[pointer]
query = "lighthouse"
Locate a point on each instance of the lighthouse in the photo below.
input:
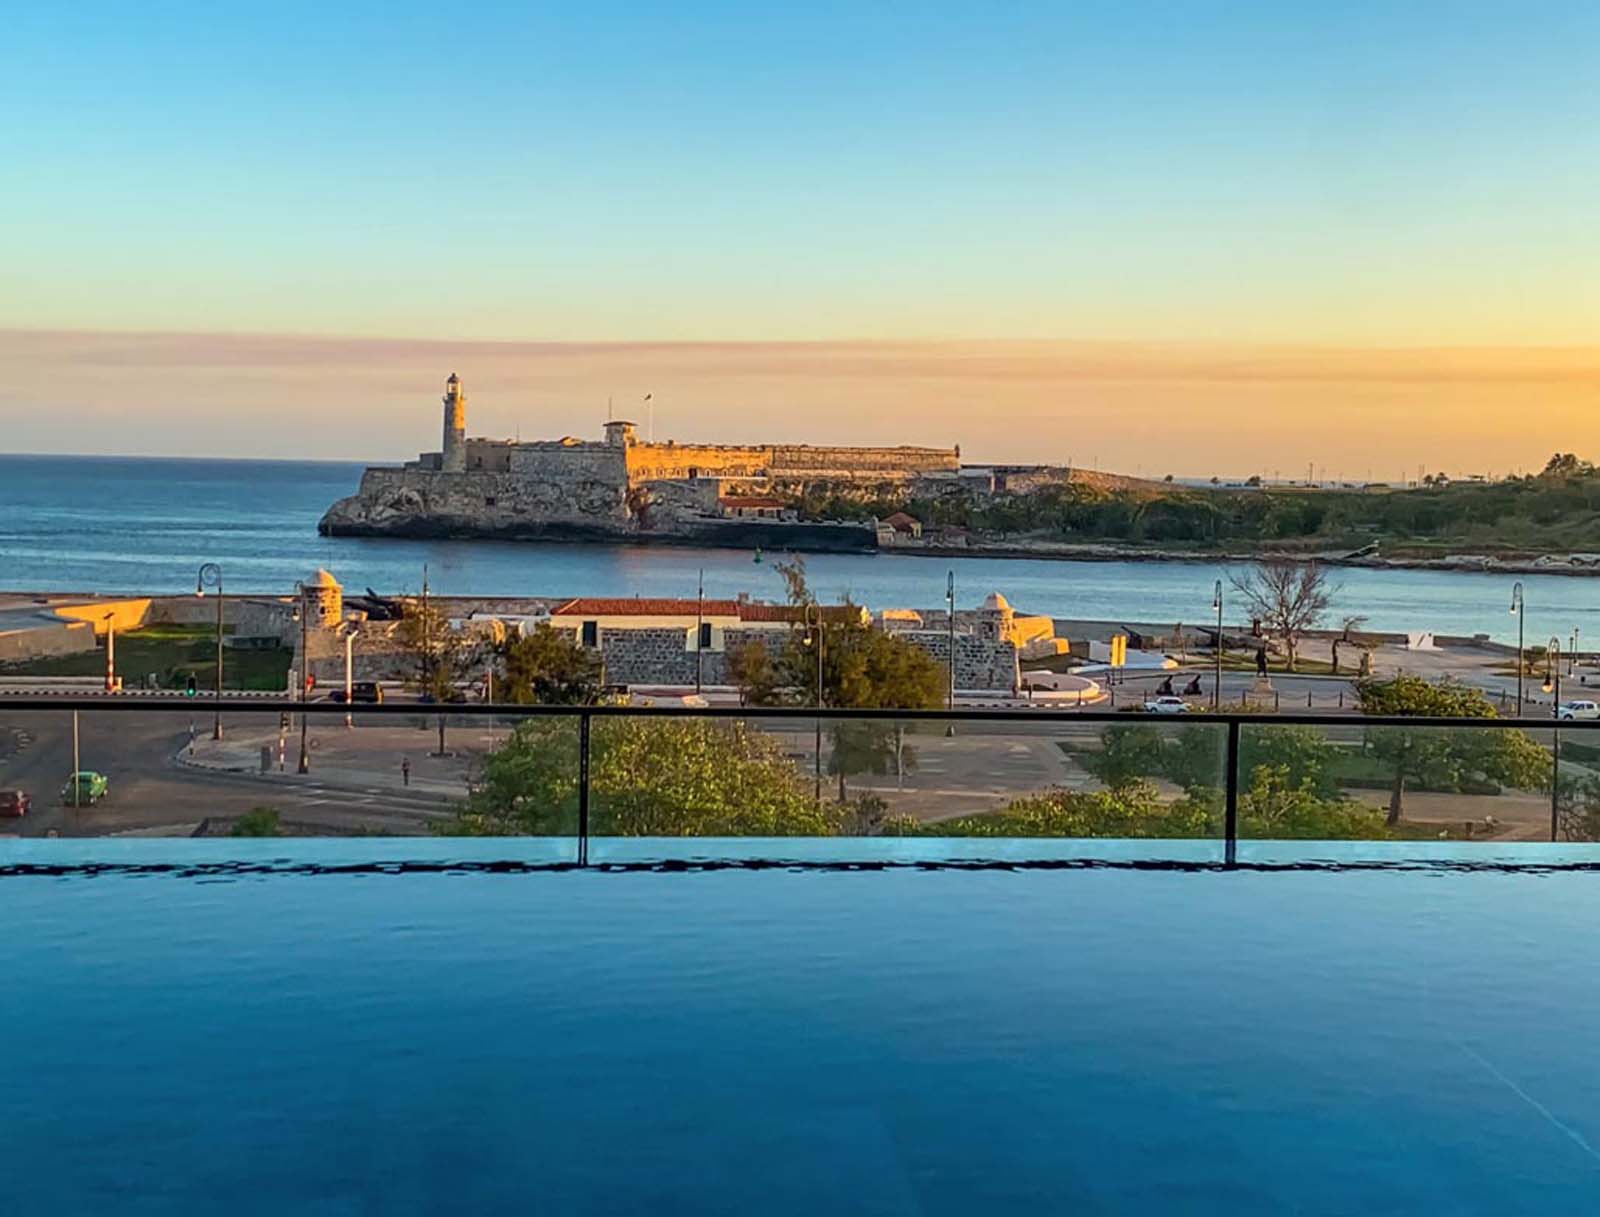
(454, 459)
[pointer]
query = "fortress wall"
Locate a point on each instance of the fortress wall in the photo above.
(492, 456)
(654, 462)
(791, 459)
(571, 463)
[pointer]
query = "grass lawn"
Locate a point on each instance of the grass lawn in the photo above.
(172, 653)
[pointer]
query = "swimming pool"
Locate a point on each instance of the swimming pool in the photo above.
(801, 1042)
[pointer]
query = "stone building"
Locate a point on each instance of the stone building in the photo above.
(617, 486)
(654, 641)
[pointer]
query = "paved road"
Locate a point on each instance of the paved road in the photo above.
(150, 791)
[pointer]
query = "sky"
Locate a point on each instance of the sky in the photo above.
(1347, 233)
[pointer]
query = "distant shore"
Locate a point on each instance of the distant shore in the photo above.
(1499, 564)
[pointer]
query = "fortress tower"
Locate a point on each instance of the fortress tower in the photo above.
(454, 459)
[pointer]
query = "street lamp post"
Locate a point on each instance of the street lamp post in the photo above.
(111, 652)
(814, 640)
(349, 674)
(211, 576)
(1572, 653)
(1521, 616)
(950, 604)
(1552, 686)
(302, 610)
(1216, 688)
(699, 626)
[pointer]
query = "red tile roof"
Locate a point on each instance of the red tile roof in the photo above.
(789, 613)
(735, 500)
(640, 606)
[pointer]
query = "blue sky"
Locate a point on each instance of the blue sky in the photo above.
(1370, 173)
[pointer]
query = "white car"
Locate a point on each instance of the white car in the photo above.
(1579, 709)
(1166, 705)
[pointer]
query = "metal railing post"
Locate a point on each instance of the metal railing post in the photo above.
(1230, 824)
(1555, 783)
(583, 788)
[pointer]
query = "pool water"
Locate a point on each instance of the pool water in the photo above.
(805, 1042)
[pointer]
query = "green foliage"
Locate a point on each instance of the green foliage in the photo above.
(685, 777)
(1271, 807)
(172, 654)
(1275, 807)
(1578, 807)
(1446, 758)
(1132, 810)
(1559, 507)
(257, 822)
(547, 667)
(440, 657)
(861, 667)
(751, 669)
(1128, 755)
(1193, 757)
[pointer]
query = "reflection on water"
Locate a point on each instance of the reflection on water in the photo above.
(898, 1042)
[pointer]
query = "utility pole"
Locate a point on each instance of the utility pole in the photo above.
(699, 626)
(1216, 688)
(1521, 616)
(950, 604)
(111, 653)
(304, 609)
(211, 576)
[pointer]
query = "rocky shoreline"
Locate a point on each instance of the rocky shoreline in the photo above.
(1582, 564)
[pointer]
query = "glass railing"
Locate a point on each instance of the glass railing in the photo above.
(643, 786)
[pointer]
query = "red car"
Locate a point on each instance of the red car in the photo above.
(15, 803)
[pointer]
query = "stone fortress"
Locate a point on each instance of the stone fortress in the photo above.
(618, 488)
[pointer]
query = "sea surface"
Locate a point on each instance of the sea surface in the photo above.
(120, 524)
(898, 1043)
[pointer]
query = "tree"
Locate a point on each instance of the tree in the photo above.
(862, 668)
(1128, 755)
(548, 667)
(1347, 632)
(440, 657)
(751, 669)
(1274, 807)
(685, 777)
(1442, 757)
(1287, 597)
(1566, 465)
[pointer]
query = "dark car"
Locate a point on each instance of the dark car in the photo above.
(362, 691)
(15, 803)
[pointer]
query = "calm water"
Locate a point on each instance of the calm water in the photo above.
(802, 1043)
(118, 524)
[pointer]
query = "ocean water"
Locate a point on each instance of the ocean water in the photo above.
(145, 525)
(799, 1043)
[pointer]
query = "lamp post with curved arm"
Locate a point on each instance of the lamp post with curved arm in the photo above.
(813, 639)
(1552, 686)
(302, 611)
(211, 576)
(1216, 688)
(1517, 612)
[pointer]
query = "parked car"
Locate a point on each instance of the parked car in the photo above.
(367, 691)
(1579, 709)
(1166, 705)
(91, 787)
(15, 803)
